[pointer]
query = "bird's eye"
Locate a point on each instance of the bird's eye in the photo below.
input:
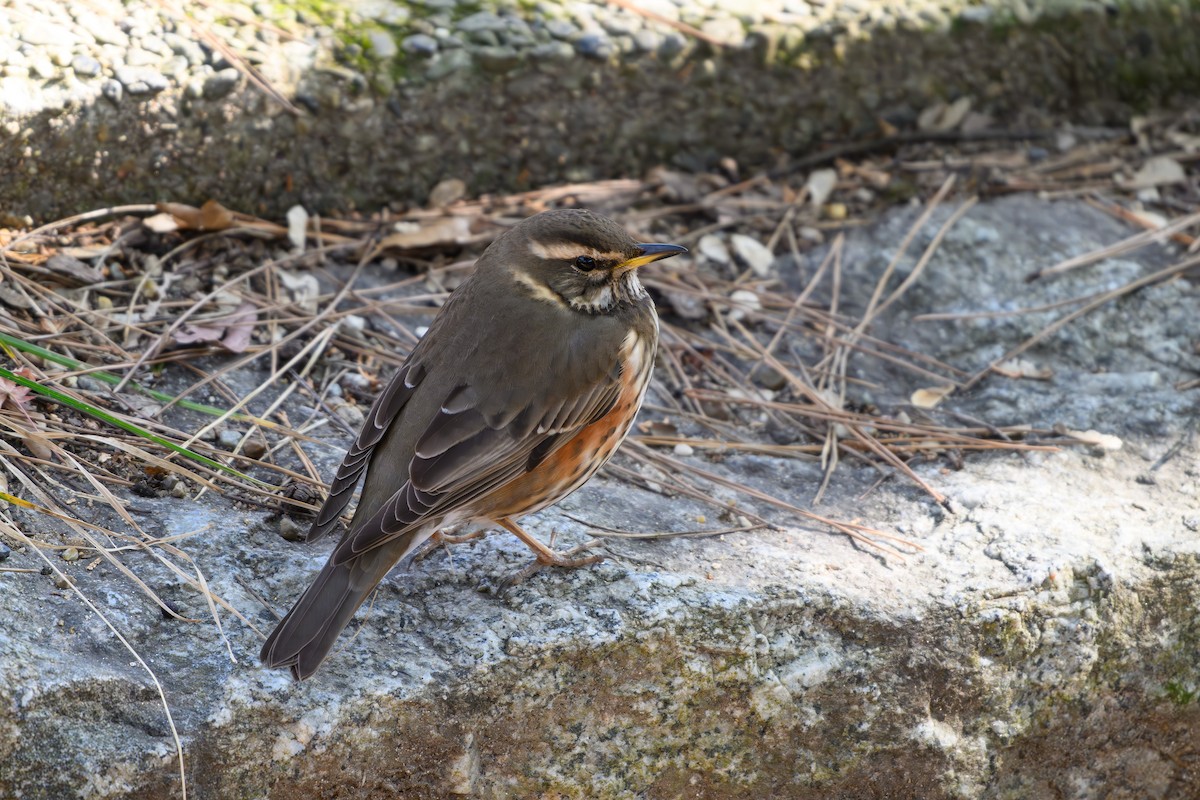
(585, 263)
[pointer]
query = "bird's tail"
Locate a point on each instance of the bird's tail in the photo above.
(304, 637)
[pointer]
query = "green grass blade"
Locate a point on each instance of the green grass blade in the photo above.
(113, 380)
(101, 414)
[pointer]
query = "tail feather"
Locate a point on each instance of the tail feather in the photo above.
(304, 637)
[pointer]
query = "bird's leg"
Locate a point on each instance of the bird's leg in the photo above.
(441, 538)
(548, 557)
(461, 538)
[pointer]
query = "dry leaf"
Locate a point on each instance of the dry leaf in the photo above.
(13, 394)
(428, 233)
(297, 229)
(212, 216)
(1101, 441)
(303, 288)
(233, 332)
(1020, 368)
(76, 271)
(448, 191)
(164, 222)
(753, 253)
(820, 185)
(1157, 171)
(931, 396)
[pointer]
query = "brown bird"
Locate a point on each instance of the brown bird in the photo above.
(525, 384)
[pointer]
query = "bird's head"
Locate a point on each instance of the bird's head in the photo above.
(578, 259)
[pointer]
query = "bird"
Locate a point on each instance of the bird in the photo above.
(526, 382)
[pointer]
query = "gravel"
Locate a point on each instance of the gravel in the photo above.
(114, 101)
(55, 54)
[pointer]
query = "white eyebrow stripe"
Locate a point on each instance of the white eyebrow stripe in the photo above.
(566, 251)
(540, 290)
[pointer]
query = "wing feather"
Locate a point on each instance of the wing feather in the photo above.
(383, 411)
(443, 479)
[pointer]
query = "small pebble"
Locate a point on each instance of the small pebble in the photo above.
(419, 45)
(85, 66)
(221, 83)
(255, 448)
(682, 449)
(5, 551)
(70, 554)
(179, 491)
(351, 415)
(743, 302)
(291, 530)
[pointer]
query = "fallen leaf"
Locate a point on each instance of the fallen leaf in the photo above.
(1020, 368)
(753, 254)
(297, 230)
(1157, 171)
(1101, 441)
(65, 266)
(232, 332)
(944, 117)
(13, 394)
(712, 248)
(820, 185)
(931, 396)
(448, 191)
(411, 235)
(303, 288)
(163, 222)
(744, 302)
(212, 216)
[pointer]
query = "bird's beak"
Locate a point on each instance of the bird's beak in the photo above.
(650, 252)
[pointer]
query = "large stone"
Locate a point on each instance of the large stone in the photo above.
(1041, 643)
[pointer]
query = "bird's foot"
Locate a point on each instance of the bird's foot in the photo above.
(443, 539)
(548, 557)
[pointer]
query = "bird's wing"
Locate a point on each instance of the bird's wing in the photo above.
(383, 412)
(490, 429)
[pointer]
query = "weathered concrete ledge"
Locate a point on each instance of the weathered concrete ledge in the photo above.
(381, 112)
(1043, 644)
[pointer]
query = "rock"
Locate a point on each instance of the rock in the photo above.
(497, 60)
(725, 29)
(552, 51)
(449, 62)
(382, 44)
(40, 33)
(482, 21)
(228, 438)
(648, 41)
(185, 47)
(112, 91)
(595, 45)
(221, 83)
(141, 80)
(1037, 633)
(419, 45)
(291, 530)
(561, 28)
(18, 95)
